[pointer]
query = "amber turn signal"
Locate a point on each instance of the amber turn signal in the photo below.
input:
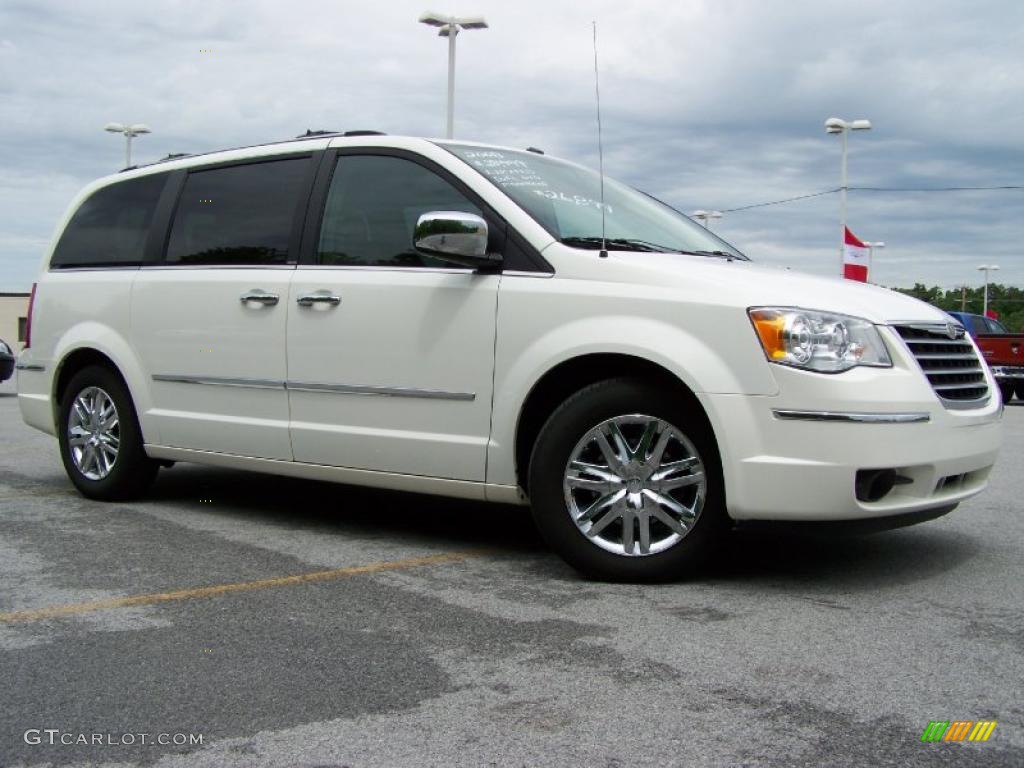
(770, 326)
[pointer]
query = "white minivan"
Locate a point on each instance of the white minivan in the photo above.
(495, 324)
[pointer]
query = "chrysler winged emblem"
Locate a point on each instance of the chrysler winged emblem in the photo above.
(954, 331)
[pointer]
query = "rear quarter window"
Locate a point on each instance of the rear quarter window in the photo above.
(110, 227)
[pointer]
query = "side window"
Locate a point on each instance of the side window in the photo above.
(237, 215)
(978, 325)
(111, 226)
(372, 208)
(994, 326)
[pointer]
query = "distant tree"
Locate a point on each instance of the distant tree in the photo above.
(1007, 301)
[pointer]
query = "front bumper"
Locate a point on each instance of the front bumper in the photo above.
(795, 456)
(1008, 372)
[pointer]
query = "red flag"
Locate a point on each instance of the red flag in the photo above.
(855, 258)
(991, 314)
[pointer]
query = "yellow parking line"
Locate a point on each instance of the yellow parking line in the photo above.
(243, 586)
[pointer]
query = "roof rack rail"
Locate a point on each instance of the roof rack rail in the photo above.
(174, 156)
(311, 134)
(535, 150)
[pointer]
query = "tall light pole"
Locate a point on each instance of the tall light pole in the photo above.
(450, 26)
(706, 216)
(986, 268)
(129, 132)
(843, 127)
(871, 253)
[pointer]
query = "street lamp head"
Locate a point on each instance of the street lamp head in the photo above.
(114, 127)
(835, 125)
(989, 267)
(138, 128)
(706, 216)
(447, 22)
(434, 19)
(838, 125)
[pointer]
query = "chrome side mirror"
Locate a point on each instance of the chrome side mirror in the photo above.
(454, 236)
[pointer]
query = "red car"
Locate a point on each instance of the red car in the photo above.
(1003, 351)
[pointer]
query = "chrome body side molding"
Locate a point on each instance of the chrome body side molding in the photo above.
(303, 386)
(854, 418)
(220, 381)
(350, 389)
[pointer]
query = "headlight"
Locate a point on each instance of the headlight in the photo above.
(818, 341)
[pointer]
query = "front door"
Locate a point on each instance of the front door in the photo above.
(390, 352)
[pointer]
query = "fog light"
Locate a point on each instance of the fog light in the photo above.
(874, 484)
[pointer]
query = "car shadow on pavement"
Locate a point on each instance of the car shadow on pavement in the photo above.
(762, 557)
(844, 561)
(366, 513)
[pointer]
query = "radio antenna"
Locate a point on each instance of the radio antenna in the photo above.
(600, 147)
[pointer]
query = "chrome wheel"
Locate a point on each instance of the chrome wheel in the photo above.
(94, 433)
(634, 485)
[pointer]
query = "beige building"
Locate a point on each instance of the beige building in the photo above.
(13, 314)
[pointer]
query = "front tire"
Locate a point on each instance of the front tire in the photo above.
(625, 483)
(100, 440)
(1006, 389)
(1019, 389)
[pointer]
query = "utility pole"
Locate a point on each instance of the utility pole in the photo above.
(129, 131)
(706, 216)
(986, 268)
(449, 27)
(843, 127)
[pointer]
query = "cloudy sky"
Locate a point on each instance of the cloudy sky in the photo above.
(706, 104)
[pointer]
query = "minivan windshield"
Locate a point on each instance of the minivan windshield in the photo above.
(565, 199)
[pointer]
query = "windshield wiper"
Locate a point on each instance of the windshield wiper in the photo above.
(719, 254)
(618, 244)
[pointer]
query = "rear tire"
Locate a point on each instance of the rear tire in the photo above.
(100, 440)
(626, 484)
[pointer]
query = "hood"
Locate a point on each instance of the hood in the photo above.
(746, 284)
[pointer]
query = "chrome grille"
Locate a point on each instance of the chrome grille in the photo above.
(954, 370)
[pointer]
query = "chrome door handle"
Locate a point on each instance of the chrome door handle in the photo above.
(309, 299)
(260, 296)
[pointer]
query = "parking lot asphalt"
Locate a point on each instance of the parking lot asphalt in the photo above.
(292, 623)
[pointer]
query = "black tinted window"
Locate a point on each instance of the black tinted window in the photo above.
(994, 326)
(110, 227)
(372, 209)
(978, 325)
(241, 214)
